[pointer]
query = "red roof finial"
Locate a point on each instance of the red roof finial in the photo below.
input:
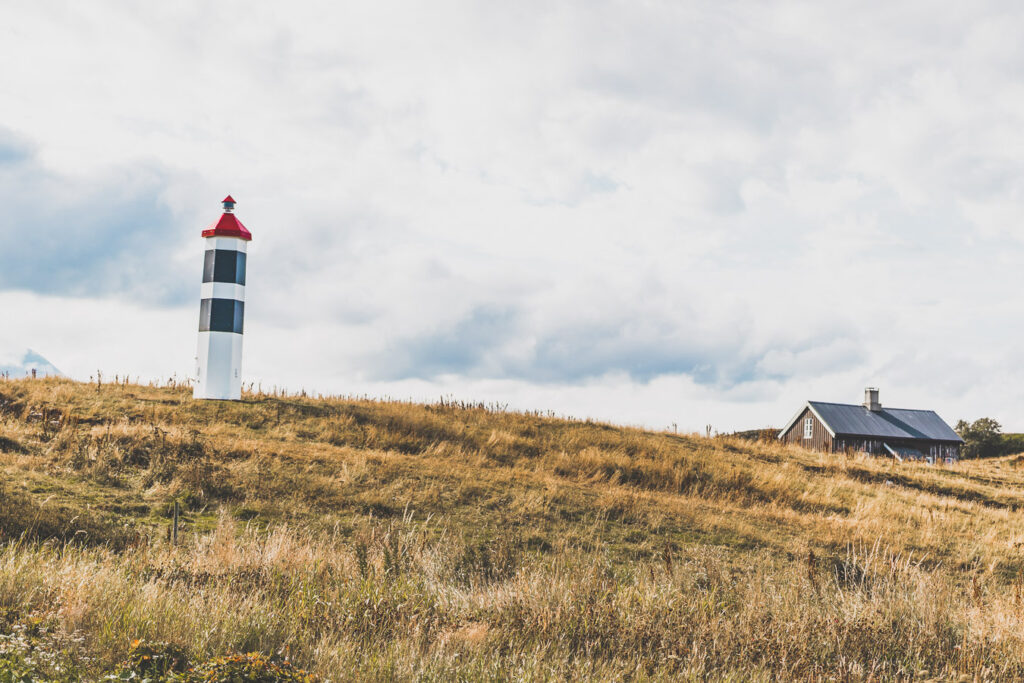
(229, 199)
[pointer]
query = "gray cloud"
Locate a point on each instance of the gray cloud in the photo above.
(13, 149)
(503, 343)
(87, 237)
(467, 347)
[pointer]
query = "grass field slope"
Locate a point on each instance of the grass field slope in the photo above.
(342, 539)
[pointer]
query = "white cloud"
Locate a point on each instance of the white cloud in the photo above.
(653, 213)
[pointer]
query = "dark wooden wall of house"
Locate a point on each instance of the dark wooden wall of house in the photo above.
(860, 444)
(939, 450)
(821, 441)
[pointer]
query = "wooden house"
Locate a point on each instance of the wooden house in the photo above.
(900, 433)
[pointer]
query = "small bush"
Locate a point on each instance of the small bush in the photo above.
(153, 659)
(167, 663)
(248, 668)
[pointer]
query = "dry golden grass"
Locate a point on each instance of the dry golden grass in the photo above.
(385, 540)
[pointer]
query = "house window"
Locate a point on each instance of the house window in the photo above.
(809, 428)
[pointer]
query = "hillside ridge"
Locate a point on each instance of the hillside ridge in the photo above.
(475, 506)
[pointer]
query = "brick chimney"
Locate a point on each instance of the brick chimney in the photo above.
(871, 399)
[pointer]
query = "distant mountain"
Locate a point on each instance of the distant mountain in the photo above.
(14, 368)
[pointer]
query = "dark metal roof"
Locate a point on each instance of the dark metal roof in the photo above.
(893, 423)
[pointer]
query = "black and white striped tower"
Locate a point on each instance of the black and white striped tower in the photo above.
(221, 313)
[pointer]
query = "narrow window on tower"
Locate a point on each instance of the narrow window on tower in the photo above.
(208, 265)
(204, 314)
(239, 267)
(239, 317)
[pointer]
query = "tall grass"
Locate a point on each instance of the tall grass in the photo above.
(385, 540)
(396, 605)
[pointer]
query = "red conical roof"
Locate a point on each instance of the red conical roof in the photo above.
(228, 225)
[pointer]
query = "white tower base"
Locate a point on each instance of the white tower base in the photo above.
(219, 366)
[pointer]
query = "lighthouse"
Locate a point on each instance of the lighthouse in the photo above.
(222, 310)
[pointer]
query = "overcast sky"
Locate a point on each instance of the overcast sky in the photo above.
(644, 212)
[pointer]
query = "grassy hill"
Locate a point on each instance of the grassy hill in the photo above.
(375, 540)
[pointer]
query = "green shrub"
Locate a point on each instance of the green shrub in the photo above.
(248, 668)
(149, 660)
(167, 663)
(982, 438)
(1012, 444)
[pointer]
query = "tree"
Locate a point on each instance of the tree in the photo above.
(982, 438)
